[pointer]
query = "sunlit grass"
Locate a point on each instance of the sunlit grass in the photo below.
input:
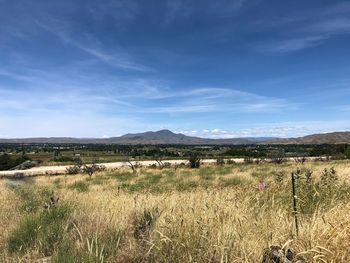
(211, 214)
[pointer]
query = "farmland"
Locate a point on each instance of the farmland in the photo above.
(214, 213)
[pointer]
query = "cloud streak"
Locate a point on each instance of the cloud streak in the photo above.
(119, 60)
(203, 100)
(301, 32)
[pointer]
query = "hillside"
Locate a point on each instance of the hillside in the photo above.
(326, 138)
(168, 137)
(158, 137)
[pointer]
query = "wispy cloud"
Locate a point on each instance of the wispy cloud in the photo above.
(185, 9)
(121, 12)
(116, 59)
(220, 100)
(345, 108)
(301, 32)
(289, 45)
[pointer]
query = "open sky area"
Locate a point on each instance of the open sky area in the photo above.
(86, 68)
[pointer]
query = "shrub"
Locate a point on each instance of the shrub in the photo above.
(276, 156)
(73, 169)
(144, 222)
(329, 177)
(90, 169)
(248, 160)
(230, 161)
(194, 160)
(220, 161)
(63, 159)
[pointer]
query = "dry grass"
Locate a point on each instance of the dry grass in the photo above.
(215, 214)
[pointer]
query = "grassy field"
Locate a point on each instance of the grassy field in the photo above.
(210, 214)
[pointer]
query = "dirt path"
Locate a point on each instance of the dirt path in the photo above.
(61, 169)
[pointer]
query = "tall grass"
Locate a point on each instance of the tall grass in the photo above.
(187, 215)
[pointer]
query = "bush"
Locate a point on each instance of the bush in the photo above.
(220, 161)
(277, 156)
(329, 177)
(73, 169)
(7, 162)
(194, 160)
(63, 159)
(248, 160)
(144, 222)
(230, 161)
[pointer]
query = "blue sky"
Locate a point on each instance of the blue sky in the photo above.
(223, 68)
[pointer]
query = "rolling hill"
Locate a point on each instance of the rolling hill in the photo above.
(168, 137)
(325, 138)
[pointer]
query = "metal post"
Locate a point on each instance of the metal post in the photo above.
(295, 211)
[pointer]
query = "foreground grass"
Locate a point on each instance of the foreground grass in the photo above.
(211, 214)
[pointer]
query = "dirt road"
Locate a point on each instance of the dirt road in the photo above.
(61, 169)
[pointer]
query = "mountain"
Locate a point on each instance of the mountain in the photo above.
(325, 138)
(168, 137)
(158, 137)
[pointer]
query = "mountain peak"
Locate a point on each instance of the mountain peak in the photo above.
(164, 131)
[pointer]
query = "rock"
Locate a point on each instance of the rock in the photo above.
(275, 254)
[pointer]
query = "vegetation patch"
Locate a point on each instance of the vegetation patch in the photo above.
(80, 186)
(123, 176)
(43, 231)
(233, 181)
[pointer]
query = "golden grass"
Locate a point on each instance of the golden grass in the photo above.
(208, 222)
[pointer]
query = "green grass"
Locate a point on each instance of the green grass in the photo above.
(183, 186)
(97, 180)
(123, 176)
(42, 231)
(233, 181)
(32, 198)
(80, 186)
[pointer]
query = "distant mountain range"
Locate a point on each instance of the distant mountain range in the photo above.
(168, 137)
(325, 138)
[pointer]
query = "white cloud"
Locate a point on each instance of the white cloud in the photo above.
(283, 130)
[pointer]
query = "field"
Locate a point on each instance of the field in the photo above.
(211, 214)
